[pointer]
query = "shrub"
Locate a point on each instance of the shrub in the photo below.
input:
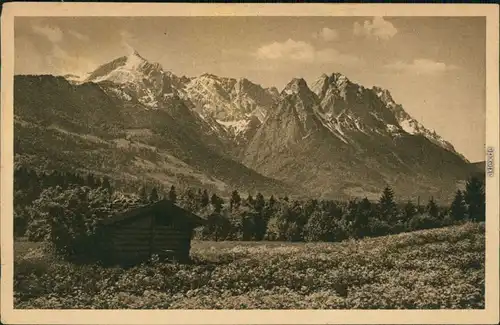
(379, 227)
(319, 227)
(423, 221)
(70, 219)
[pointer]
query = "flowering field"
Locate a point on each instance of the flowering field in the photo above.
(440, 268)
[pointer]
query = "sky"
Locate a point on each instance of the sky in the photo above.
(434, 66)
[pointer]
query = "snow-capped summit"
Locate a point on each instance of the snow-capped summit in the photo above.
(210, 94)
(236, 108)
(124, 69)
(137, 78)
(238, 105)
(334, 138)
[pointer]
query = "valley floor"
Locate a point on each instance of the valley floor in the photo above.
(431, 269)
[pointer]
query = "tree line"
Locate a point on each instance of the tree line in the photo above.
(57, 203)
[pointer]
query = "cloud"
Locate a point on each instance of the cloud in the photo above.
(126, 37)
(421, 66)
(327, 34)
(290, 49)
(59, 58)
(53, 34)
(331, 55)
(300, 51)
(66, 63)
(78, 35)
(378, 27)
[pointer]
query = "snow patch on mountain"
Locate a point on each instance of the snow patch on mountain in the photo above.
(75, 79)
(391, 128)
(136, 74)
(411, 125)
(236, 108)
(120, 93)
(236, 127)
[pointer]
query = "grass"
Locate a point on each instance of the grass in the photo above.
(431, 269)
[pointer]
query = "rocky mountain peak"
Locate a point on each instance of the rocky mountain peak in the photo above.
(297, 93)
(273, 91)
(126, 69)
(335, 84)
(384, 95)
(295, 86)
(333, 101)
(136, 53)
(244, 85)
(244, 82)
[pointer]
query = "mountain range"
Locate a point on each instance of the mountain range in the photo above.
(131, 119)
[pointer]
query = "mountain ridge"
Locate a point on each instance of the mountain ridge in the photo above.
(88, 111)
(334, 132)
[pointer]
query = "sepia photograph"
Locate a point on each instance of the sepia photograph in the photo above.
(334, 161)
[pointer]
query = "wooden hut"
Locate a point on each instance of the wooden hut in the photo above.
(161, 228)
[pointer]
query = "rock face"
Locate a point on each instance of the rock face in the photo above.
(232, 109)
(333, 139)
(87, 127)
(342, 139)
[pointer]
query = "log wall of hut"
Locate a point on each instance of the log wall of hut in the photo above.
(171, 236)
(131, 240)
(156, 233)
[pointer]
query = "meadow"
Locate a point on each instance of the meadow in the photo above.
(428, 269)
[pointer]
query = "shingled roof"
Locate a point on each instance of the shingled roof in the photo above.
(135, 212)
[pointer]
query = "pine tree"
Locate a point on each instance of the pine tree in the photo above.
(235, 200)
(247, 217)
(172, 195)
(153, 197)
(250, 200)
(143, 194)
(272, 201)
(363, 215)
(387, 206)
(259, 203)
(216, 203)
(205, 200)
(199, 196)
(475, 198)
(458, 207)
(433, 209)
(409, 211)
(420, 208)
(105, 183)
(269, 209)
